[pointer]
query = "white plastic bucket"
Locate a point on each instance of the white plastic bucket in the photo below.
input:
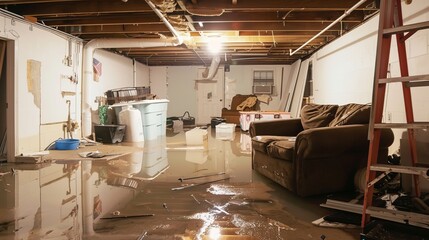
(131, 117)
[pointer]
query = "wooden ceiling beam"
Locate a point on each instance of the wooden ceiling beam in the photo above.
(293, 16)
(256, 26)
(15, 2)
(276, 5)
(160, 27)
(101, 20)
(116, 29)
(81, 7)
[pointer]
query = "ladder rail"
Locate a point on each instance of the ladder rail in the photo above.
(378, 96)
(403, 65)
(390, 23)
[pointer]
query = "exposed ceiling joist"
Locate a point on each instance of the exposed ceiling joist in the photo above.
(251, 31)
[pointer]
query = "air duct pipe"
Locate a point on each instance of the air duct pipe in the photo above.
(210, 73)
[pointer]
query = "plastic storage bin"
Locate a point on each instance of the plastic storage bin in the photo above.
(225, 131)
(109, 133)
(153, 113)
(131, 117)
(196, 136)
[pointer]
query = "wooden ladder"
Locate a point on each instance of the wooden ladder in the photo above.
(391, 23)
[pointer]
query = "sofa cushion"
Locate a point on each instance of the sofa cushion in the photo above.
(282, 149)
(314, 115)
(260, 143)
(351, 114)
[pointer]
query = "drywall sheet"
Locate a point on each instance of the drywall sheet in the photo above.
(289, 86)
(298, 92)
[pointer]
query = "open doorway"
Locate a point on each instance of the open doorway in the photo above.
(7, 96)
(3, 102)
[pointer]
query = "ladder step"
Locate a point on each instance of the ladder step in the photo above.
(416, 125)
(412, 218)
(423, 171)
(406, 28)
(415, 219)
(418, 84)
(404, 79)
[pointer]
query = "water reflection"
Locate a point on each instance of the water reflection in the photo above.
(65, 199)
(163, 190)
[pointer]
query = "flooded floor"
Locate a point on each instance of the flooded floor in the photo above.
(164, 190)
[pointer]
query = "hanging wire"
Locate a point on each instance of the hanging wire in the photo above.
(274, 39)
(199, 57)
(259, 37)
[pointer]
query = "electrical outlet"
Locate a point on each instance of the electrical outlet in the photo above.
(389, 117)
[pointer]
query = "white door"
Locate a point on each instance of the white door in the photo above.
(210, 96)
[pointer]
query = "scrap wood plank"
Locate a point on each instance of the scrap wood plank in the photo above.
(119, 151)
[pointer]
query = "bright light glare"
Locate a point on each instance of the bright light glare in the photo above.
(214, 44)
(214, 233)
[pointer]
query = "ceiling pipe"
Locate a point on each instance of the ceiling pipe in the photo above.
(329, 26)
(210, 72)
(88, 53)
(165, 21)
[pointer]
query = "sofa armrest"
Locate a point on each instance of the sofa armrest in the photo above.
(283, 127)
(331, 141)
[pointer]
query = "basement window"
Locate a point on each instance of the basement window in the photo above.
(263, 82)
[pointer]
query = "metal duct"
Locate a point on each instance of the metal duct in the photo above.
(210, 72)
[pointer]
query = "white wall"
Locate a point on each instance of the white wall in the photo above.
(41, 113)
(44, 105)
(158, 81)
(344, 69)
(240, 81)
(117, 72)
(142, 75)
(181, 90)
(181, 85)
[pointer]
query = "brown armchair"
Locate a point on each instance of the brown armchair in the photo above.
(233, 115)
(319, 153)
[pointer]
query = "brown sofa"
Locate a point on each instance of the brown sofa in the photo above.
(318, 153)
(233, 115)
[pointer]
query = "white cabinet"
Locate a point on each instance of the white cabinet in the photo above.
(154, 116)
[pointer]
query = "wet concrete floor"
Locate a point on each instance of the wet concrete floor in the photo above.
(165, 190)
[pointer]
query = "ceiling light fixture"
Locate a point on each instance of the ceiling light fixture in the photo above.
(214, 44)
(201, 24)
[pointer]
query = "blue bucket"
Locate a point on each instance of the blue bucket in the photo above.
(67, 144)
